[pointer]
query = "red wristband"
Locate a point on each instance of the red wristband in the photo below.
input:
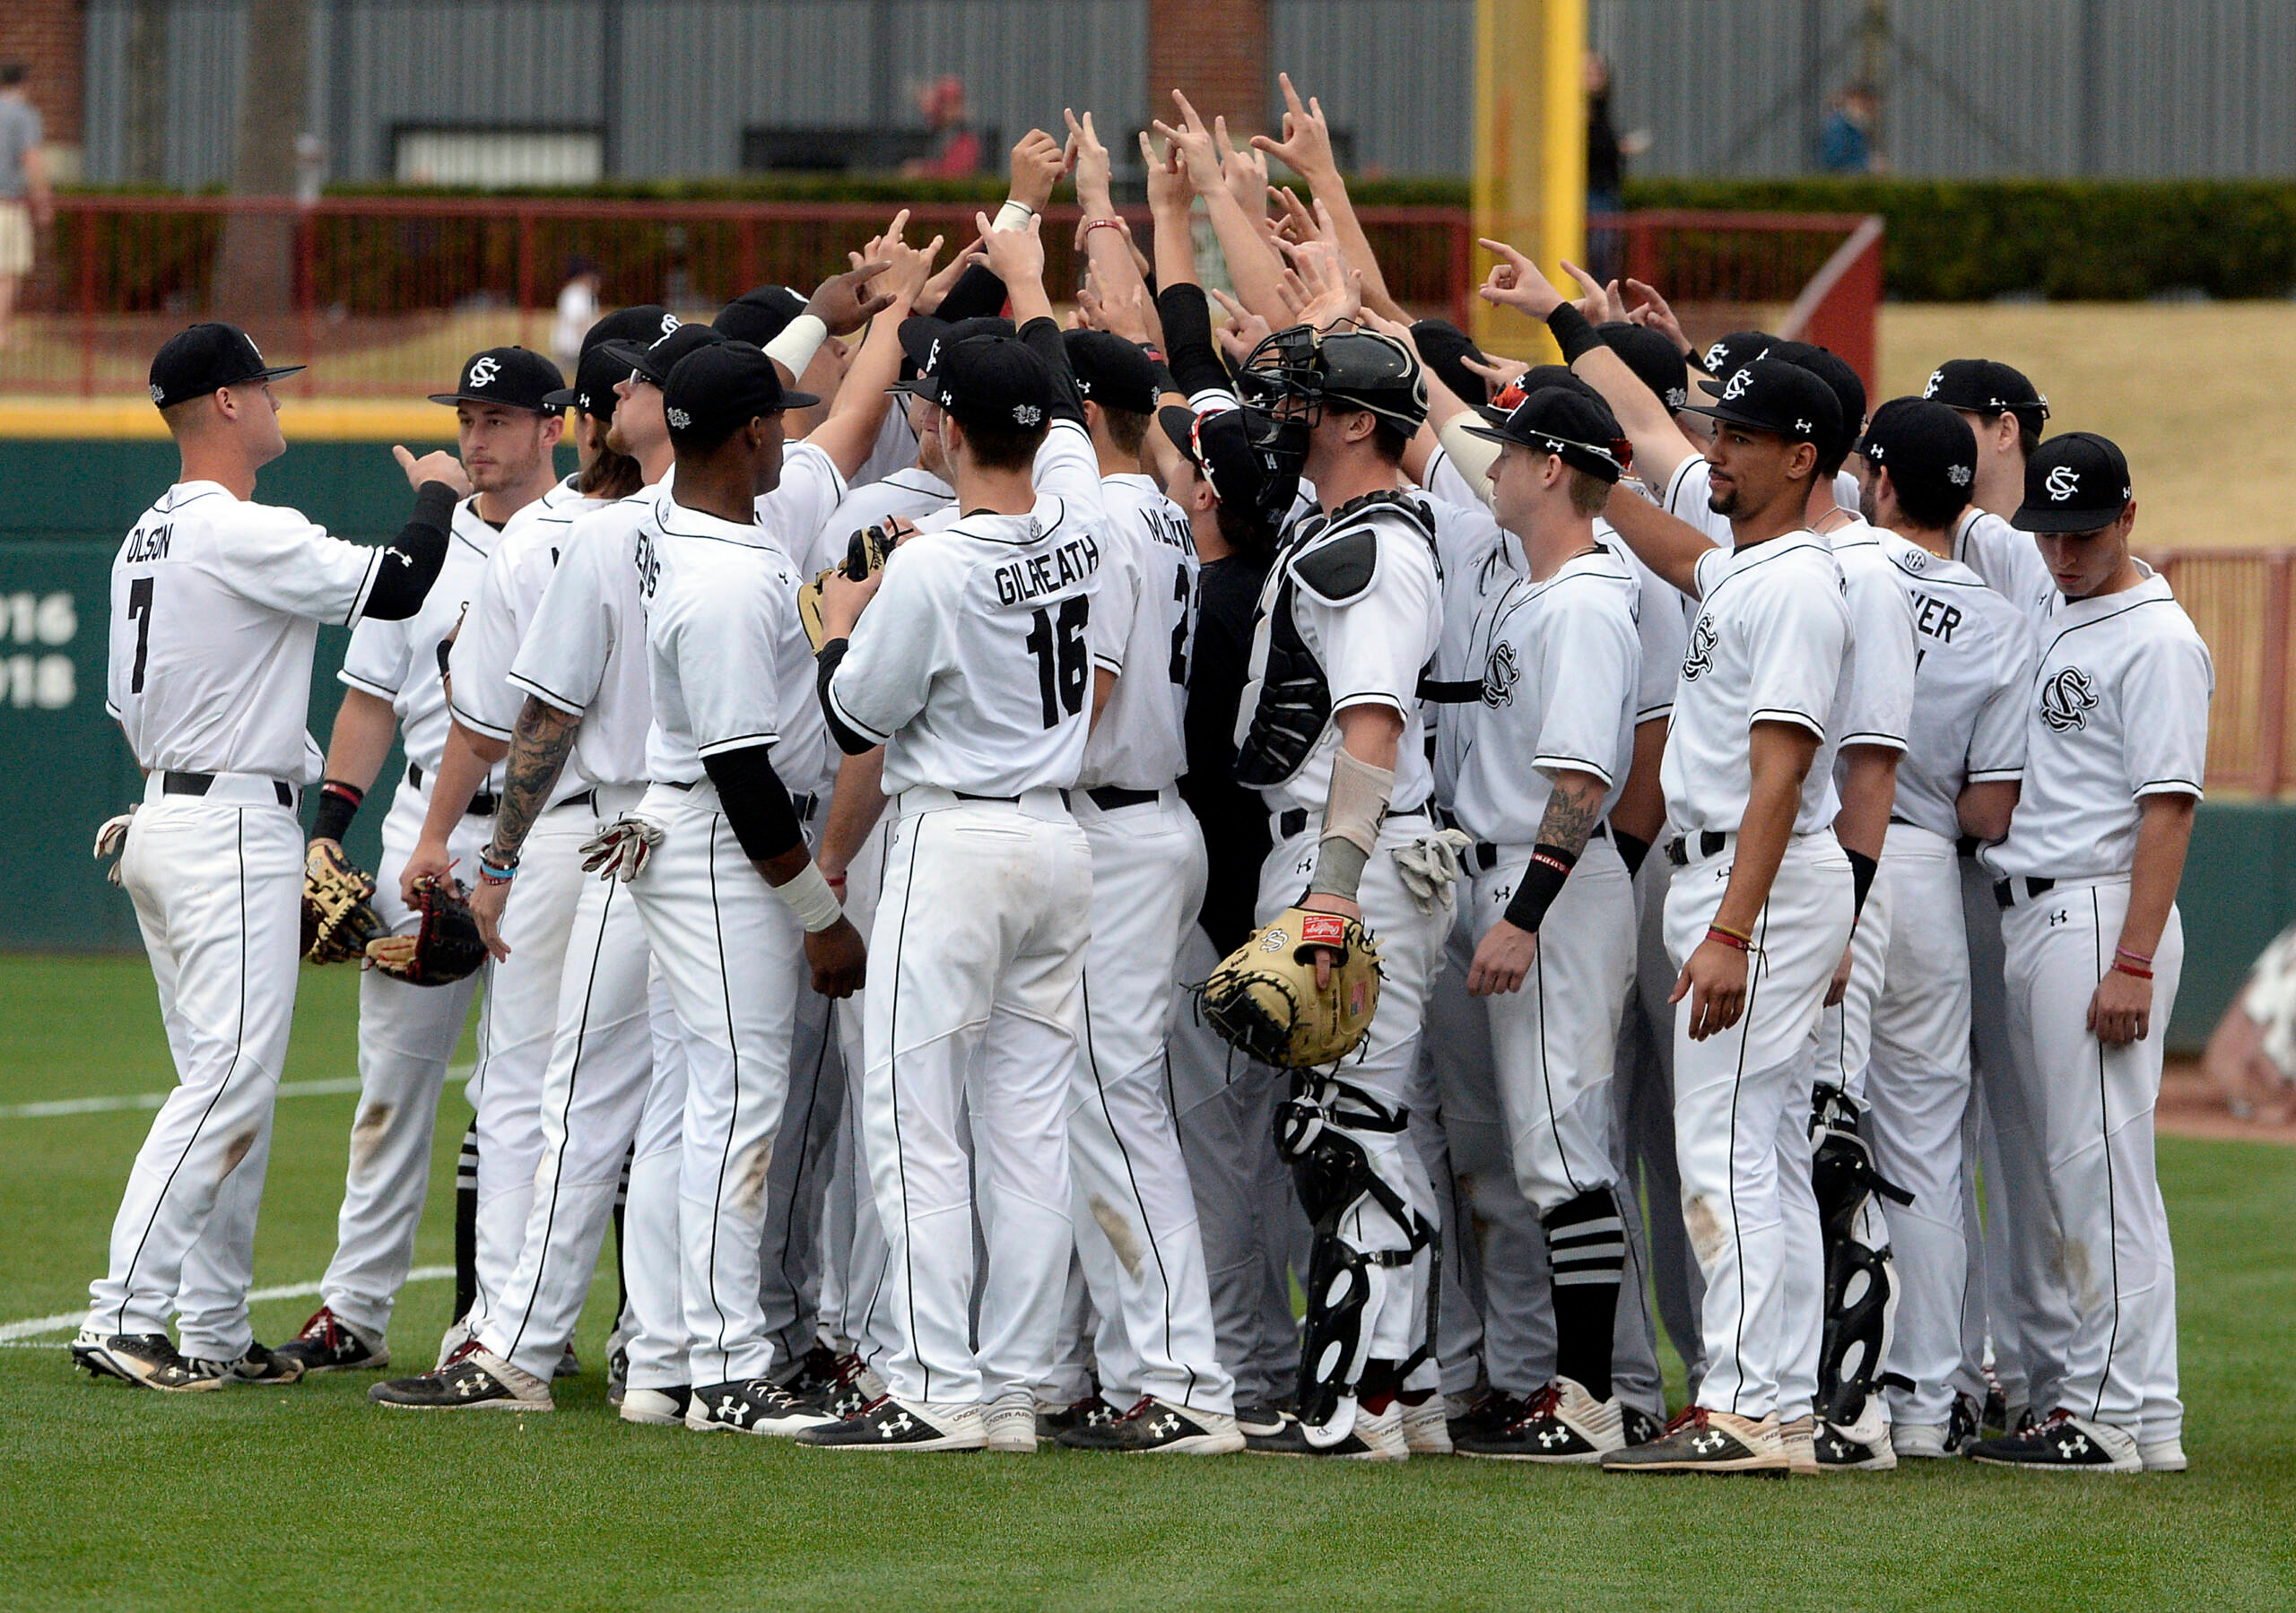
(2127, 967)
(1730, 938)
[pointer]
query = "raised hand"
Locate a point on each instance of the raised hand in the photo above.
(846, 302)
(1192, 143)
(1170, 194)
(1038, 162)
(936, 289)
(1335, 291)
(1516, 282)
(1306, 146)
(439, 466)
(1602, 304)
(1652, 310)
(1093, 169)
(1244, 171)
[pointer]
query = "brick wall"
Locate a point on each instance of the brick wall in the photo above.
(45, 36)
(1214, 54)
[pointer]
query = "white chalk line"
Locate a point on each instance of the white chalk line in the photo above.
(18, 1335)
(335, 1086)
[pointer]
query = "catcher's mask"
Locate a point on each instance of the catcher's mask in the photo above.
(1293, 373)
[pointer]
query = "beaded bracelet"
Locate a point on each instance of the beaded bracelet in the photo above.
(491, 872)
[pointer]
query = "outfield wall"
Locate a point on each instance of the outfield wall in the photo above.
(64, 768)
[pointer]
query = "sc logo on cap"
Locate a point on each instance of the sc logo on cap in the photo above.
(1739, 381)
(485, 368)
(1936, 379)
(2063, 482)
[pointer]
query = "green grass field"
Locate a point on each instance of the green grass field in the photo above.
(296, 1497)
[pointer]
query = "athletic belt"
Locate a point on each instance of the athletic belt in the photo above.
(1015, 800)
(1108, 798)
(1486, 853)
(1292, 819)
(804, 806)
(1709, 842)
(482, 805)
(588, 798)
(2014, 890)
(199, 784)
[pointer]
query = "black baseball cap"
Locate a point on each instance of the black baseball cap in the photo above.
(653, 362)
(1988, 387)
(720, 387)
(1445, 348)
(595, 379)
(923, 339)
(1218, 444)
(1111, 371)
(1924, 446)
(208, 358)
(761, 315)
(1653, 358)
(1834, 371)
(516, 377)
(994, 380)
(1733, 351)
(1769, 395)
(2076, 482)
(1555, 419)
(643, 323)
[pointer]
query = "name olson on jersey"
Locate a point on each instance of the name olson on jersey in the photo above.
(148, 543)
(1019, 581)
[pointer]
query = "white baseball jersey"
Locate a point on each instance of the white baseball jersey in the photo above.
(972, 665)
(1875, 706)
(1371, 646)
(1973, 662)
(911, 493)
(399, 660)
(1561, 669)
(585, 651)
(2117, 710)
(1143, 621)
(798, 510)
(1661, 622)
(1688, 496)
(2009, 560)
(721, 603)
(215, 607)
(1480, 560)
(1769, 646)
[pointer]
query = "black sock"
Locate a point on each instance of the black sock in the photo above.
(620, 1272)
(467, 1225)
(1585, 1243)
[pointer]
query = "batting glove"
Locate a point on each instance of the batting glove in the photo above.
(620, 850)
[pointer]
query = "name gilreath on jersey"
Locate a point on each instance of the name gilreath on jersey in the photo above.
(1038, 575)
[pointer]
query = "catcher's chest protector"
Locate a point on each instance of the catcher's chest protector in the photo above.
(1288, 695)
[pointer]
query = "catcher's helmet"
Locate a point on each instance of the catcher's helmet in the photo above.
(1355, 370)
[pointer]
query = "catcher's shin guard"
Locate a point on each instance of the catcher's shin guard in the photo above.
(1861, 1297)
(1346, 1286)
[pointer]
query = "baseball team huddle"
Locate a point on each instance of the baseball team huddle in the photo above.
(996, 851)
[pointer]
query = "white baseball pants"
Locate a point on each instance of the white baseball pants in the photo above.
(1137, 1233)
(406, 1035)
(796, 1185)
(734, 958)
(2118, 1271)
(977, 962)
(1742, 1110)
(653, 1256)
(216, 881)
(853, 1254)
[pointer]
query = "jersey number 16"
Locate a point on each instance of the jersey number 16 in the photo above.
(1062, 662)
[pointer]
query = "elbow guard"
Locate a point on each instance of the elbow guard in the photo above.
(411, 563)
(1353, 813)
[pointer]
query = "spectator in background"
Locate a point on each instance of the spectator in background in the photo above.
(1846, 141)
(956, 144)
(1607, 150)
(578, 311)
(25, 204)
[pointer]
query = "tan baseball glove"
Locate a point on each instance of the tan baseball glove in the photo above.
(337, 919)
(1263, 997)
(865, 555)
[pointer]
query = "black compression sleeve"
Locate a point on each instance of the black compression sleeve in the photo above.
(976, 295)
(1189, 346)
(1043, 339)
(825, 665)
(411, 563)
(1541, 883)
(756, 802)
(338, 805)
(1573, 333)
(1632, 850)
(1861, 878)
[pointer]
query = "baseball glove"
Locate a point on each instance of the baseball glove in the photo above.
(337, 919)
(865, 555)
(1263, 997)
(444, 949)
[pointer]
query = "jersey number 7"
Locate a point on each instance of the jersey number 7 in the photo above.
(1062, 661)
(139, 606)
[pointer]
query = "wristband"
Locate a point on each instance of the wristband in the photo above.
(1013, 215)
(799, 340)
(1861, 881)
(2127, 967)
(1746, 936)
(338, 805)
(1092, 224)
(1729, 937)
(808, 896)
(2142, 958)
(1573, 333)
(1541, 883)
(491, 872)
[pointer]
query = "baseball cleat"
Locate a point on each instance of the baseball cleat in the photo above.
(481, 1381)
(754, 1406)
(146, 1360)
(1699, 1440)
(456, 1342)
(1994, 1415)
(2063, 1443)
(656, 1407)
(256, 1365)
(2164, 1455)
(1426, 1424)
(1931, 1442)
(617, 1375)
(815, 1375)
(1640, 1426)
(570, 1364)
(1009, 1422)
(892, 1425)
(1844, 1450)
(328, 1343)
(1374, 1437)
(1561, 1423)
(1800, 1451)
(857, 1387)
(1259, 1421)
(1091, 1412)
(1160, 1427)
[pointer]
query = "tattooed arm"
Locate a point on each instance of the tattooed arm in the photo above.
(539, 743)
(1505, 954)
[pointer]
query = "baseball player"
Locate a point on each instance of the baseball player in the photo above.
(1544, 752)
(394, 674)
(2116, 738)
(1964, 756)
(2006, 411)
(971, 667)
(216, 606)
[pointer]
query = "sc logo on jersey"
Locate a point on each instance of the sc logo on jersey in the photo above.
(1499, 677)
(1700, 659)
(2066, 700)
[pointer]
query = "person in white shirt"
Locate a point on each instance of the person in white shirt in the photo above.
(216, 602)
(2116, 743)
